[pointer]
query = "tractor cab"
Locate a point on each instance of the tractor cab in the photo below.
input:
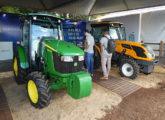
(36, 27)
(116, 30)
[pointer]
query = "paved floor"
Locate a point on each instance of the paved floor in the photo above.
(6, 66)
(5, 113)
(62, 105)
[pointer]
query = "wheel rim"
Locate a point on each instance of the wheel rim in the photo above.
(15, 65)
(32, 91)
(127, 69)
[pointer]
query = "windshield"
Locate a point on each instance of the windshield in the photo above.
(97, 32)
(44, 28)
(117, 33)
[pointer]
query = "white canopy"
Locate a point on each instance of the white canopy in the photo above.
(83, 7)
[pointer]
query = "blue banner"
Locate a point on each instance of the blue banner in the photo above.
(10, 28)
(74, 32)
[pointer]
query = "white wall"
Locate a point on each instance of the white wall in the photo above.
(131, 24)
(6, 50)
(153, 28)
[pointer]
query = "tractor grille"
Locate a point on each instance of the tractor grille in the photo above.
(67, 67)
(139, 51)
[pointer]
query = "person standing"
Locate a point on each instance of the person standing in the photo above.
(89, 52)
(105, 56)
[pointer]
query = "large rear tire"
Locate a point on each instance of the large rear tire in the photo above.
(19, 73)
(129, 68)
(38, 90)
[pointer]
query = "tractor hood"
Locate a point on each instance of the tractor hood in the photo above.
(62, 47)
(128, 42)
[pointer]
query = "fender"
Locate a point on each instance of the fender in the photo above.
(23, 58)
(98, 49)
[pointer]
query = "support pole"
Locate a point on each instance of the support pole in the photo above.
(161, 49)
(140, 24)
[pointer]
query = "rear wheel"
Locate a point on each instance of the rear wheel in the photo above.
(38, 90)
(19, 73)
(97, 59)
(129, 68)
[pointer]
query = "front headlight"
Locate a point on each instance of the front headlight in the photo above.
(80, 58)
(67, 58)
(149, 55)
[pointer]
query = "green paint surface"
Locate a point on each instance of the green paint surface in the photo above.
(64, 48)
(78, 84)
(23, 57)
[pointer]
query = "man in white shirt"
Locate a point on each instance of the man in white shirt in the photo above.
(105, 56)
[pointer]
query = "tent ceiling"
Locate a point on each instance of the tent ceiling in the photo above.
(106, 6)
(83, 7)
(121, 5)
(35, 4)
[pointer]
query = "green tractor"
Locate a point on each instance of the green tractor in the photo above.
(44, 61)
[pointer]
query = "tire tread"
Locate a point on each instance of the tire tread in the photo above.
(43, 89)
(134, 65)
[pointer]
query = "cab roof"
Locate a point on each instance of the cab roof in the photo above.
(45, 14)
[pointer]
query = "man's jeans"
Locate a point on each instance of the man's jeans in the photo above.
(89, 62)
(106, 64)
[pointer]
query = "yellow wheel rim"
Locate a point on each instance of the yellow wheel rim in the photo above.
(15, 66)
(32, 91)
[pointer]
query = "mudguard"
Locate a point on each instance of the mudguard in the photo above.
(79, 85)
(23, 57)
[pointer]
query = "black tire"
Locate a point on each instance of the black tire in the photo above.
(129, 68)
(147, 73)
(97, 59)
(43, 90)
(21, 73)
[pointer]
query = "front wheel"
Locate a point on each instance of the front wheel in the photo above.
(129, 68)
(38, 90)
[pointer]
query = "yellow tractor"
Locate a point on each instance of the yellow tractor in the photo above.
(131, 57)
